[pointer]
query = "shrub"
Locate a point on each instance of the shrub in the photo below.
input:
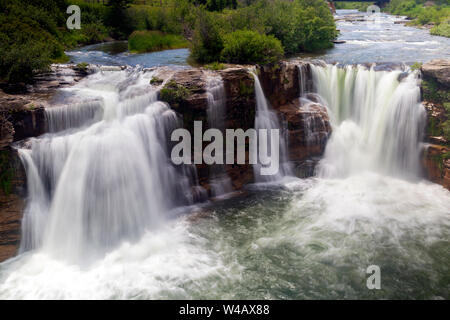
(442, 29)
(173, 93)
(215, 66)
(26, 49)
(207, 43)
(247, 46)
(147, 41)
(156, 81)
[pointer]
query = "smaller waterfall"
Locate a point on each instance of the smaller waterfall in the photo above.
(266, 118)
(64, 117)
(219, 181)
(302, 79)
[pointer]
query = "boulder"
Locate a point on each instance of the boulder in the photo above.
(438, 69)
(436, 162)
(308, 129)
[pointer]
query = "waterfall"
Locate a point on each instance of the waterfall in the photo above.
(219, 181)
(109, 180)
(266, 118)
(302, 79)
(377, 121)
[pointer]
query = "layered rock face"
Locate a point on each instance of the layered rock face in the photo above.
(436, 96)
(307, 126)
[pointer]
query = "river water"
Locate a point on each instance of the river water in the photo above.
(289, 239)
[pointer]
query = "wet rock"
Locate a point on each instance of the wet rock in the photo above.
(12, 194)
(308, 129)
(280, 82)
(436, 162)
(438, 69)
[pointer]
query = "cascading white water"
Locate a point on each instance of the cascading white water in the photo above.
(111, 179)
(377, 121)
(302, 78)
(220, 182)
(267, 119)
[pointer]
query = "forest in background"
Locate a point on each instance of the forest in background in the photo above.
(33, 33)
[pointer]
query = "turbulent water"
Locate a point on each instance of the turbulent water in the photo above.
(108, 216)
(104, 172)
(383, 38)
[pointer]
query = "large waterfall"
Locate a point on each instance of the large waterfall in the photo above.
(377, 120)
(101, 186)
(103, 175)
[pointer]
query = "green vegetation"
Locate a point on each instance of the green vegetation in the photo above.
(173, 93)
(301, 25)
(156, 81)
(82, 66)
(33, 33)
(432, 92)
(215, 66)
(416, 66)
(246, 46)
(360, 6)
(148, 41)
(6, 172)
(442, 29)
(438, 14)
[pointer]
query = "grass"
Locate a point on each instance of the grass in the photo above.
(149, 41)
(215, 66)
(442, 29)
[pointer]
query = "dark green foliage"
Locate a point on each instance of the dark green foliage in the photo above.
(6, 172)
(33, 33)
(216, 5)
(173, 93)
(207, 43)
(434, 93)
(246, 46)
(28, 38)
(301, 25)
(360, 6)
(156, 81)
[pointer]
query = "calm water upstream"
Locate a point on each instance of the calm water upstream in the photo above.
(290, 239)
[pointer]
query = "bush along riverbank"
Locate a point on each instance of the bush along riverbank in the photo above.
(33, 33)
(434, 15)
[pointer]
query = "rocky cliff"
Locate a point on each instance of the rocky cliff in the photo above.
(308, 126)
(436, 98)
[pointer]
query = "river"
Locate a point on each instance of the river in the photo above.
(290, 239)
